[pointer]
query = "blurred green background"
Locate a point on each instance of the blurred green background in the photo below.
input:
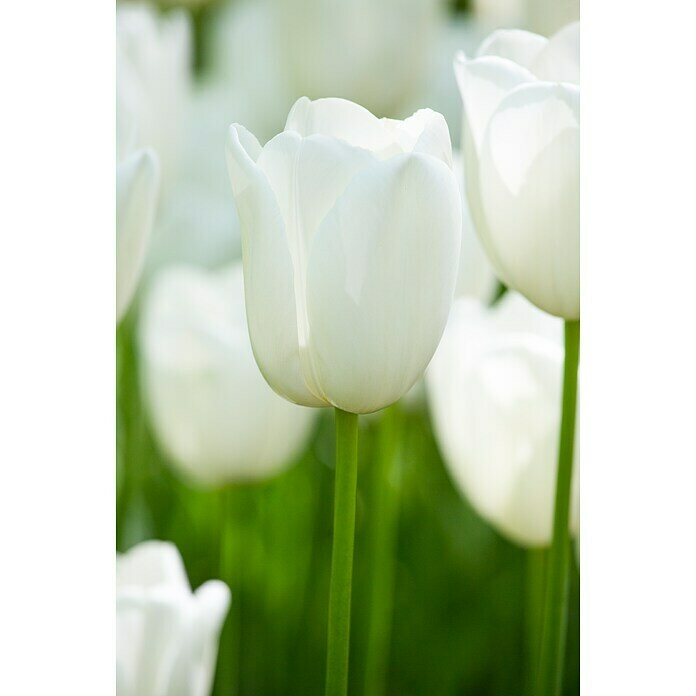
(463, 595)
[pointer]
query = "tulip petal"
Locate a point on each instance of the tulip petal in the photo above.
(375, 314)
(268, 271)
(151, 564)
(194, 669)
(137, 186)
(483, 83)
(530, 193)
(339, 118)
(560, 59)
(425, 132)
(307, 175)
(519, 46)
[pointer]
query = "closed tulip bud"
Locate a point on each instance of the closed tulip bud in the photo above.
(494, 388)
(521, 147)
(351, 230)
(211, 410)
(137, 186)
(166, 635)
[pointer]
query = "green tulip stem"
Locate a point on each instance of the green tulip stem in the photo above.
(534, 590)
(553, 635)
(384, 517)
(342, 554)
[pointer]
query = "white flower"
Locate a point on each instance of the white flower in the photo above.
(166, 635)
(351, 231)
(197, 222)
(374, 52)
(153, 77)
(211, 409)
(494, 388)
(137, 186)
(521, 148)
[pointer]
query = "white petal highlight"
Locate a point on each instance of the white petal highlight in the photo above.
(483, 83)
(375, 313)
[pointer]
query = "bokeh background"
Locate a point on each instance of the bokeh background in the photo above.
(464, 596)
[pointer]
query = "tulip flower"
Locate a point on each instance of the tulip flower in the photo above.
(166, 635)
(543, 16)
(137, 185)
(153, 77)
(351, 229)
(350, 237)
(521, 147)
(211, 410)
(494, 389)
(197, 223)
(375, 53)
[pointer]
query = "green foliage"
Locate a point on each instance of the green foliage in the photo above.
(459, 616)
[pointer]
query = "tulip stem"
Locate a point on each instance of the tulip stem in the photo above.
(553, 635)
(536, 575)
(384, 526)
(342, 554)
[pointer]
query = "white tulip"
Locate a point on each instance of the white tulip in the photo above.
(137, 186)
(374, 52)
(153, 77)
(351, 229)
(521, 147)
(543, 16)
(166, 635)
(494, 388)
(197, 222)
(211, 409)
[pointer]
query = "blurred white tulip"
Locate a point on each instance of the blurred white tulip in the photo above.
(198, 222)
(494, 389)
(153, 77)
(137, 186)
(521, 148)
(374, 52)
(542, 16)
(211, 410)
(258, 87)
(166, 635)
(351, 229)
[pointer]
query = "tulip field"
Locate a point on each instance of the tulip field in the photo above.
(348, 347)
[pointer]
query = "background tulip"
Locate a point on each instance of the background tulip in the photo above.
(494, 389)
(137, 185)
(198, 223)
(522, 161)
(351, 232)
(166, 635)
(153, 77)
(211, 409)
